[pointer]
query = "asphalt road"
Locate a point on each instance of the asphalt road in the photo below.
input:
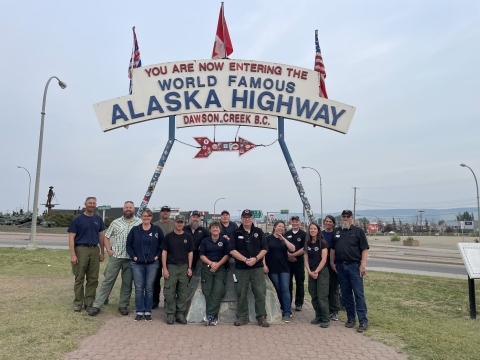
(61, 242)
(419, 266)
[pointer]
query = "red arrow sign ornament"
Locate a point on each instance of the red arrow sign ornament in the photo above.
(208, 146)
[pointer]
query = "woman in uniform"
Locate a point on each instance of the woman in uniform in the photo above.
(333, 301)
(277, 267)
(214, 254)
(316, 251)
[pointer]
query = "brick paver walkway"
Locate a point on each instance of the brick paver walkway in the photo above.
(122, 338)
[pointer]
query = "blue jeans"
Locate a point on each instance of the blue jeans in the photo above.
(143, 278)
(349, 279)
(281, 282)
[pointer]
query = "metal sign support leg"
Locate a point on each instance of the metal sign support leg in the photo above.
(471, 295)
(293, 170)
(161, 164)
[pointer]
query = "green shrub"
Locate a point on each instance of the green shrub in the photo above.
(395, 237)
(60, 219)
(108, 221)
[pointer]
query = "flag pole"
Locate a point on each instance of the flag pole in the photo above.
(224, 37)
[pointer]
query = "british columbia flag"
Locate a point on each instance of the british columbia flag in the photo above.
(135, 61)
(320, 68)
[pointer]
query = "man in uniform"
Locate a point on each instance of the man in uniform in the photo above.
(167, 226)
(248, 246)
(228, 227)
(348, 257)
(85, 233)
(118, 260)
(197, 232)
(177, 256)
(297, 261)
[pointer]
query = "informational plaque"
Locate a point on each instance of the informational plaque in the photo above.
(471, 258)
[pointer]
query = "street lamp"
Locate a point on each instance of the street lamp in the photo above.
(471, 282)
(421, 219)
(29, 184)
(321, 202)
(33, 244)
(478, 202)
(214, 207)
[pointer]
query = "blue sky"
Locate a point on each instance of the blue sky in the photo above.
(409, 67)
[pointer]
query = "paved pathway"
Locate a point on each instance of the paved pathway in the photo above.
(122, 338)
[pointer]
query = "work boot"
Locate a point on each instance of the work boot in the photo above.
(77, 308)
(240, 322)
(262, 321)
(362, 327)
(93, 311)
(325, 324)
(170, 319)
(181, 319)
(123, 311)
(298, 308)
(316, 321)
(350, 323)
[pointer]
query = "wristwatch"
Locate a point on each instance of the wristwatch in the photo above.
(190, 267)
(245, 261)
(257, 258)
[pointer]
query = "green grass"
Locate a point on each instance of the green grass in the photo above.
(424, 317)
(36, 311)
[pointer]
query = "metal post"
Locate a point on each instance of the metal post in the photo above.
(471, 296)
(478, 197)
(291, 167)
(354, 203)
(161, 164)
(321, 197)
(214, 207)
(33, 231)
(29, 185)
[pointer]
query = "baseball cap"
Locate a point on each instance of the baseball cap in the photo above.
(195, 212)
(165, 208)
(224, 212)
(179, 218)
(295, 217)
(347, 212)
(246, 213)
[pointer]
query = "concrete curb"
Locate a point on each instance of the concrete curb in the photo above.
(419, 272)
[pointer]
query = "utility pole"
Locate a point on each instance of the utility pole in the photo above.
(354, 202)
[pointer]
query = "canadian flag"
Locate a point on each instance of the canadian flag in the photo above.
(222, 47)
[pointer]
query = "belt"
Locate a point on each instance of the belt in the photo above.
(86, 245)
(348, 262)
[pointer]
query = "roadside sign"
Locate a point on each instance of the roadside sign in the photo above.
(272, 217)
(104, 207)
(257, 213)
(283, 211)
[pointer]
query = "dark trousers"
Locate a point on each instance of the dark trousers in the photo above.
(297, 271)
(87, 269)
(256, 278)
(176, 289)
(156, 287)
(333, 299)
(350, 280)
(318, 289)
(213, 288)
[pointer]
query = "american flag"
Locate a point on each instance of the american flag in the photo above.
(320, 67)
(135, 61)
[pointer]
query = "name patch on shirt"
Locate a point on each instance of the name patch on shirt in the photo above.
(240, 237)
(309, 248)
(289, 236)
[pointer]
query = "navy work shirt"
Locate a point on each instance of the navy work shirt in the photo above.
(214, 250)
(248, 244)
(197, 236)
(86, 229)
(228, 230)
(349, 244)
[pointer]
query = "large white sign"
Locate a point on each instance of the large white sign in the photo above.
(471, 258)
(207, 86)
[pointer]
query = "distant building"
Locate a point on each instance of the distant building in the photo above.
(372, 228)
(468, 226)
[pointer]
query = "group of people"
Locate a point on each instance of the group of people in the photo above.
(144, 252)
